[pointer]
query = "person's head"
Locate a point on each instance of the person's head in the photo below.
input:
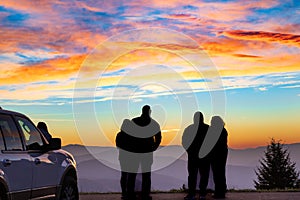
(42, 126)
(217, 121)
(146, 110)
(198, 117)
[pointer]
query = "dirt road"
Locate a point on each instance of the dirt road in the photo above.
(230, 196)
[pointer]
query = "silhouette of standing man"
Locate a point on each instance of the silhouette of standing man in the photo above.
(137, 140)
(192, 139)
(219, 156)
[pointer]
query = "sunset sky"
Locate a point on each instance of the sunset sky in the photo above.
(84, 66)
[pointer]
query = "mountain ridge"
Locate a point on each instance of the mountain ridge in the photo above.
(98, 167)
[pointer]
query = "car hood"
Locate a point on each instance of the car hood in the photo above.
(66, 154)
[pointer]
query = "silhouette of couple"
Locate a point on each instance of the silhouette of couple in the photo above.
(207, 148)
(141, 136)
(136, 141)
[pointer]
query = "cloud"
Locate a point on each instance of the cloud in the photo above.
(174, 130)
(291, 86)
(55, 37)
(230, 11)
(229, 46)
(72, 41)
(29, 6)
(246, 56)
(157, 88)
(91, 8)
(292, 28)
(59, 93)
(53, 69)
(262, 89)
(288, 39)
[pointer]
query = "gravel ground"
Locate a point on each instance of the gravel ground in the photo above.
(230, 196)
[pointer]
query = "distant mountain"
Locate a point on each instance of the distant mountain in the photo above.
(250, 157)
(98, 167)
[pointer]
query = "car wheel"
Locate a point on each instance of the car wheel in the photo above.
(2, 194)
(69, 190)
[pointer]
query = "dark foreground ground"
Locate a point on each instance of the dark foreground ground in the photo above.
(230, 196)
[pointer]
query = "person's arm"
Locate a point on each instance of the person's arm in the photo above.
(120, 140)
(47, 135)
(184, 140)
(157, 140)
(187, 137)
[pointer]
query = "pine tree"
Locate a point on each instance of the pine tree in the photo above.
(298, 184)
(276, 170)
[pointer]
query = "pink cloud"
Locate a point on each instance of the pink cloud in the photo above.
(289, 39)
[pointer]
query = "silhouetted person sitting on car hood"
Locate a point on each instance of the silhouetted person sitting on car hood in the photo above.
(44, 129)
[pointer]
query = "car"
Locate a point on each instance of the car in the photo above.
(30, 166)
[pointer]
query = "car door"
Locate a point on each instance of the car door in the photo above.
(45, 169)
(14, 160)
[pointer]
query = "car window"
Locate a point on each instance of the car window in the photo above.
(33, 138)
(10, 136)
(2, 147)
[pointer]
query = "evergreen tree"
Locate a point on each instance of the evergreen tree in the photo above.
(276, 170)
(298, 184)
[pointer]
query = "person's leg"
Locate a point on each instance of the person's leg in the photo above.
(146, 164)
(132, 165)
(192, 177)
(222, 184)
(204, 167)
(131, 185)
(146, 184)
(219, 174)
(124, 173)
(123, 182)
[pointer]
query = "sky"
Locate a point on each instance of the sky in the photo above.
(85, 66)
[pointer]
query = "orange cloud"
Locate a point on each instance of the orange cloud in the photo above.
(239, 66)
(223, 46)
(13, 40)
(59, 68)
(231, 56)
(232, 46)
(246, 56)
(282, 38)
(30, 6)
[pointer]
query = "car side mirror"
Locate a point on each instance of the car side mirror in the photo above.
(54, 144)
(34, 146)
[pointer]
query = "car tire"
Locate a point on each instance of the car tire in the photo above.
(2, 193)
(69, 189)
(2, 197)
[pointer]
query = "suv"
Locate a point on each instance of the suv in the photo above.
(30, 166)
